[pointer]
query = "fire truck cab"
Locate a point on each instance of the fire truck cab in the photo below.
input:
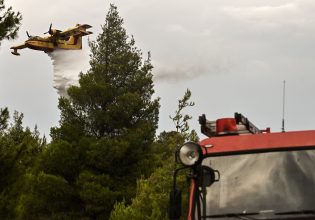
(242, 172)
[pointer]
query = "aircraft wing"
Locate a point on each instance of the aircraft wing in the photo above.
(18, 47)
(78, 30)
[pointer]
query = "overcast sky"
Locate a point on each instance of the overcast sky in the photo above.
(232, 55)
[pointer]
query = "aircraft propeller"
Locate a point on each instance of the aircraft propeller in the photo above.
(49, 30)
(28, 35)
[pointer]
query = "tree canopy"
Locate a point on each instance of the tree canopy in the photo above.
(19, 149)
(9, 22)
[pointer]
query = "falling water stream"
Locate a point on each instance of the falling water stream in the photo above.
(67, 64)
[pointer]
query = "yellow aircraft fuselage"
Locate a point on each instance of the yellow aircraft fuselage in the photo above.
(46, 45)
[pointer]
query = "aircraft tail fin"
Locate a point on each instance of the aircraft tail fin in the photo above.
(76, 41)
(84, 32)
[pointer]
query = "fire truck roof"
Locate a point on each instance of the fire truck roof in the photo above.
(258, 143)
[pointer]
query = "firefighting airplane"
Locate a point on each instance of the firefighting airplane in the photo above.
(70, 39)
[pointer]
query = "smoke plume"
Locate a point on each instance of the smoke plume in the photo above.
(67, 64)
(187, 69)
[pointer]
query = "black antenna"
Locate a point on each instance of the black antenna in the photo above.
(283, 106)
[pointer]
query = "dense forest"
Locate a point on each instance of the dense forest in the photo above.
(105, 159)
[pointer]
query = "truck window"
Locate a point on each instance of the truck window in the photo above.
(264, 182)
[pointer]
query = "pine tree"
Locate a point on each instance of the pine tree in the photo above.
(180, 119)
(9, 22)
(113, 104)
(114, 97)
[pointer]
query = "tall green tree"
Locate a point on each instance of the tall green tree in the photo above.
(113, 105)
(9, 22)
(107, 126)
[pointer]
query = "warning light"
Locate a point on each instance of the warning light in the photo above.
(226, 126)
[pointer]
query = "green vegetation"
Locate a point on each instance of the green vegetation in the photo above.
(105, 160)
(19, 149)
(9, 22)
(151, 200)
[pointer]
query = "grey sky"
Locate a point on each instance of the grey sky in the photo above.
(233, 55)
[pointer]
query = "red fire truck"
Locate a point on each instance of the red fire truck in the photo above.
(242, 172)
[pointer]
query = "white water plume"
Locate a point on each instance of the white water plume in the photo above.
(67, 64)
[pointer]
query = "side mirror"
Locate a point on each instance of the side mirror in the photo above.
(175, 205)
(209, 176)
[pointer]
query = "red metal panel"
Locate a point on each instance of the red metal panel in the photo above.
(265, 142)
(191, 210)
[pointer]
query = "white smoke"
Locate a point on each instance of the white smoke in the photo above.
(67, 64)
(186, 69)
